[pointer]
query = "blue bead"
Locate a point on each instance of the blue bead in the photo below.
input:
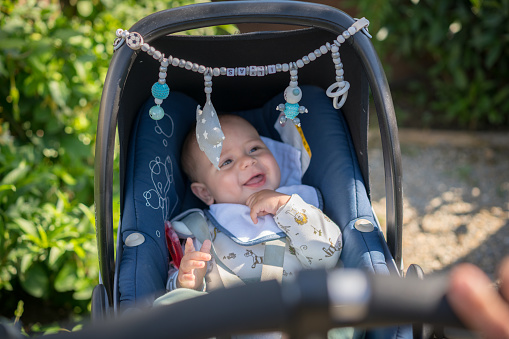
(156, 112)
(160, 91)
(291, 110)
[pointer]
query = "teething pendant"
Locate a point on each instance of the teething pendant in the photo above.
(160, 91)
(208, 129)
(338, 91)
(293, 94)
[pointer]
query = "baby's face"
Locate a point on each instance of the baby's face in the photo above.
(246, 166)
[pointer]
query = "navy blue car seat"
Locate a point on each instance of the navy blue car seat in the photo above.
(152, 186)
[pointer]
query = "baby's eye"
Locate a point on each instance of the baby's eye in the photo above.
(254, 149)
(226, 162)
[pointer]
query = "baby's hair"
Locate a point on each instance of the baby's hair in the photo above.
(190, 147)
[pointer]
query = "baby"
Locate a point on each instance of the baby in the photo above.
(248, 210)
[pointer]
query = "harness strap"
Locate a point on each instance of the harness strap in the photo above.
(273, 258)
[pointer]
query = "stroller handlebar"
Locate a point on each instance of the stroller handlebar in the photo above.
(314, 302)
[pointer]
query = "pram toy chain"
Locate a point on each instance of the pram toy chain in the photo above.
(208, 130)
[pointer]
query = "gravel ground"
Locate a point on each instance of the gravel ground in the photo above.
(456, 197)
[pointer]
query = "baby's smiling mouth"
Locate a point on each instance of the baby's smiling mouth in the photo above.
(256, 181)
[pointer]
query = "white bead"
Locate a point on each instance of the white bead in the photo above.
(195, 67)
(318, 53)
(335, 55)
(340, 72)
(165, 63)
(201, 69)
(279, 67)
(352, 30)
(182, 63)
(189, 65)
(312, 56)
(346, 35)
(216, 72)
(294, 84)
(162, 81)
(158, 101)
(119, 32)
(285, 67)
(328, 45)
(300, 63)
(293, 94)
(208, 90)
(163, 69)
(293, 72)
(336, 61)
(145, 47)
(323, 49)
(162, 75)
(294, 78)
(125, 34)
(340, 39)
(223, 70)
(175, 62)
(157, 55)
(334, 49)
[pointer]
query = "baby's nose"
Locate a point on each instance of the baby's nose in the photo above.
(248, 161)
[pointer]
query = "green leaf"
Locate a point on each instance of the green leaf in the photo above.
(7, 188)
(12, 43)
(27, 226)
(16, 174)
(66, 278)
(493, 55)
(35, 280)
(54, 255)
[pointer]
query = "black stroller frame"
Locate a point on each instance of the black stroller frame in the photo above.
(117, 101)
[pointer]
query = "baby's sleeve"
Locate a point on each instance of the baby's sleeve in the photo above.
(313, 237)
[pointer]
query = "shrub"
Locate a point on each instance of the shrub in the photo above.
(53, 60)
(458, 51)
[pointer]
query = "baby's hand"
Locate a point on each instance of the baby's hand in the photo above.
(193, 265)
(265, 202)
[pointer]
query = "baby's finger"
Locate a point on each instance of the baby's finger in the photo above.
(187, 277)
(254, 214)
(190, 265)
(189, 246)
(205, 247)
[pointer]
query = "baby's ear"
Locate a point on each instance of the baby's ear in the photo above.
(202, 192)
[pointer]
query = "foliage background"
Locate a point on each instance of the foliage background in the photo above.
(445, 61)
(53, 60)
